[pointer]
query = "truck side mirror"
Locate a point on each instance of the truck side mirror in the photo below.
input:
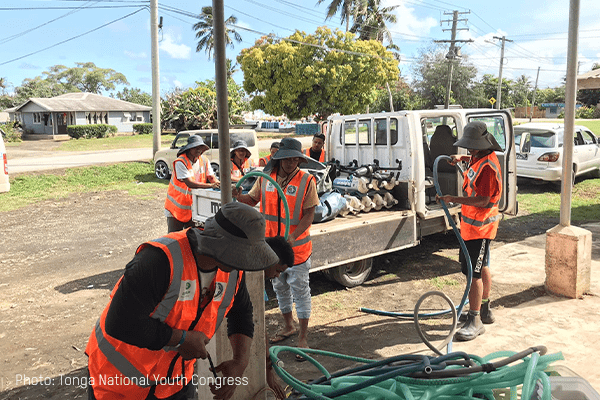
(525, 144)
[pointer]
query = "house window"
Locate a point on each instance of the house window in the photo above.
(106, 118)
(37, 118)
(133, 117)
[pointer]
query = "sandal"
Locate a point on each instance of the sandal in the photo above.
(281, 336)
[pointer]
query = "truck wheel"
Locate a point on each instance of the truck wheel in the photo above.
(354, 273)
(161, 170)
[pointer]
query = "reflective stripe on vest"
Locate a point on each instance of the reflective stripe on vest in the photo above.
(266, 159)
(481, 222)
(274, 212)
(177, 309)
(236, 172)
(179, 198)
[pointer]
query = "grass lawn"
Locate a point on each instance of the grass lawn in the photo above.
(113, 143)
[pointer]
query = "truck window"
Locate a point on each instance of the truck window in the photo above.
(495, 126)
(381, 131)
(429, 126)
(364, 132)
(181, 140)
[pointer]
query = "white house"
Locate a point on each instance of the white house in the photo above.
(50, 116)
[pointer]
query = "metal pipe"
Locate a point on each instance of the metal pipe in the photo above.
(222, 105)
(155, 77)
(570, 94)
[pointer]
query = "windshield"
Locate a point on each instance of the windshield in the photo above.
(540, 138)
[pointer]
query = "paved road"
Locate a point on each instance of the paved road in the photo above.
(43, 160)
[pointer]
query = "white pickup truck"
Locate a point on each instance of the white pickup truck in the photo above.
(345, 246)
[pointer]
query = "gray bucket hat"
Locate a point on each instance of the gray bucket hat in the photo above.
(193, 141)
(240, 144)
(235, 237)
(290, 148)
(476, 136)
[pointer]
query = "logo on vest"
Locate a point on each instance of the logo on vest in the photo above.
(270, 187)
(291, 190)
(471, 174)
(187, 290)
(219, 291)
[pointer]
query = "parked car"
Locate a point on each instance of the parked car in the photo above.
(540, 151)
(4, 182)
(163, 159)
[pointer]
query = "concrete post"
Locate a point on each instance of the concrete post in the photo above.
(568, 261)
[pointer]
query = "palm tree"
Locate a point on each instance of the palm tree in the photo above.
(205, 34)
(346, 8)
(371, 19)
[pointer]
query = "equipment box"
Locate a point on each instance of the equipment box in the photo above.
(205, 203)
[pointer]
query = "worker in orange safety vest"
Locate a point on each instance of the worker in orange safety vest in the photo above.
(191, 170)
(265, 160)
(241, 163)
(479, 221)
(315, 151)
(170, 301)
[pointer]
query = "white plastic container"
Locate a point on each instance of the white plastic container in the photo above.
(572, 388)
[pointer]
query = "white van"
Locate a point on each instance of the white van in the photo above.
(4, 183)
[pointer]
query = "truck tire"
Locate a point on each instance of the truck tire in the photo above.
(161, 170)
(354, 273)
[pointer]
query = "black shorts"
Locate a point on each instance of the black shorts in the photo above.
(479, 253)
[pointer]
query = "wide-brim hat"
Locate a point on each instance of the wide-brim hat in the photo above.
(291, 148)
(240, 144)
(235, 237)
(476, 137)
(193, 141)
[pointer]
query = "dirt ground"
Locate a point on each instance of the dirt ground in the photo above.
(59, 260)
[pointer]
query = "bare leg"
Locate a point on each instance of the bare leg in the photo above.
(303, 333)
(475, 294)
(288, 320)
(486, 277)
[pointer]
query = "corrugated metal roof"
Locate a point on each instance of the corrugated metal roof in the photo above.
(84, 102)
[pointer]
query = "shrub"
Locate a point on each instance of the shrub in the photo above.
(143, 129)
(596, 112)
(91, 131)
(12, 134)
(584, 112)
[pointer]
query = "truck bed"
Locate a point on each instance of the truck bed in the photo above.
(352, 238)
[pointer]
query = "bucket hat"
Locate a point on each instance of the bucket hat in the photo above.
(193, 141)
(240, 144)
(476, 136)
(235, 237)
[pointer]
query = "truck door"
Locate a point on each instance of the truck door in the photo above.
(500, 125)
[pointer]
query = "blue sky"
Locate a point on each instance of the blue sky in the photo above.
(538, 30)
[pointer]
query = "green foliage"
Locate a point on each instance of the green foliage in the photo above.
(585, 112)
(333, 73)
(91, 131)
(143, 129)
(12, 134)
(431, 72)
(550, 95)
(204, 31)
(589, 97)
(134, 95)
(196, 108)
(403, 98)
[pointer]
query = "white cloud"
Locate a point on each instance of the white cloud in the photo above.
(136, 56)
(176, 83)
(170, 45)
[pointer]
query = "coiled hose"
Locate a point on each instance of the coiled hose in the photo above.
(455, 311)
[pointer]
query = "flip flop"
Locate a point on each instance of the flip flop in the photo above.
(299, 358)
(280, 336)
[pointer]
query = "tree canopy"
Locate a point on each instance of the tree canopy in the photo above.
(134, 95)
(205, 32)
(321, 73)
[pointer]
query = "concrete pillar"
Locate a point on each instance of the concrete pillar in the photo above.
(220, 349)
(568, 261)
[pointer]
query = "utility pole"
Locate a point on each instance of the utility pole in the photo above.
(453, 52)
(533, 97)
(155, 77)
(499, 93)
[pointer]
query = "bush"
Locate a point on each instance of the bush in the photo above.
(143, 129)
(584, 112)
(12, 134)
(91, 131)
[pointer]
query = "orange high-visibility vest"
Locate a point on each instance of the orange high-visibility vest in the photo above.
(179, 196)
(321, 157)
(121, 370)
(274, 211)
(236, 172)
(265, 159)
(481, 222)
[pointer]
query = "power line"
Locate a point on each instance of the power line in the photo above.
(74, 37)
(62, 8)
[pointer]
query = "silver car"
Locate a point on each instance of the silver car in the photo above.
(540, 151)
